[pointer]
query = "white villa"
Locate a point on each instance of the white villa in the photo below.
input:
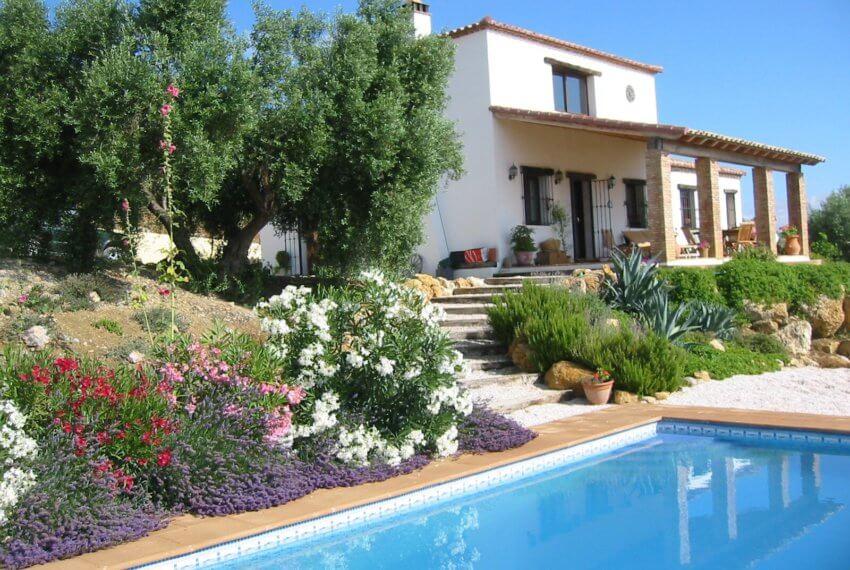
(545, 121)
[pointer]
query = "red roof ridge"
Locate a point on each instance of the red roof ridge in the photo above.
(488, 23)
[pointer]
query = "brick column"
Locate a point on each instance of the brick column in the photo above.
(660, 204)
(765, 203)
(708, 191)
(798, 207)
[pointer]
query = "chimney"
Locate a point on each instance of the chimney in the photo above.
(421, 17)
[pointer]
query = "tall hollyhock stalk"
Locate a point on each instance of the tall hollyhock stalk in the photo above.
(139, 295)
(171, 270)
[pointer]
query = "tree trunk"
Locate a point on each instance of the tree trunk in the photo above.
(234, 258)
(182, 238)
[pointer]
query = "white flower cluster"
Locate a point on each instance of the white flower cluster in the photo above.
(16, 448)
(450, 397)
(357, 446)
(447, 443)
(324, 416)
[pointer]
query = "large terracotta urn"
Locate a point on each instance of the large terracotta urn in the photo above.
(524, 258)
(792, 245)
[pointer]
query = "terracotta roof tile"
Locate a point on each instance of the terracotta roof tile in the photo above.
(489, 23)
(725, 170)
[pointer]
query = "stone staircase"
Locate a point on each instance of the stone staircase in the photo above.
(493, 379)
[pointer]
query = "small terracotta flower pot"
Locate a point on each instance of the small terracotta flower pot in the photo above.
(792, 245)
(524, 258)
(597, 394)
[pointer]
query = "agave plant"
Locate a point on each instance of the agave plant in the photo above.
(667, 321)
(636, 282)
(712, 318)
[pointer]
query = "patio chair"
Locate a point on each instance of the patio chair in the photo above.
(638, 239)
(687, 244)
(744, 238)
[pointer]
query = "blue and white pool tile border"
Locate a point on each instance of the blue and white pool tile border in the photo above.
(745, 433)
(427, 496)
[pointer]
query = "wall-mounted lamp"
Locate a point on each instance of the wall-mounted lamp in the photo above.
(512, 172)
(611, 182)
(559, 176)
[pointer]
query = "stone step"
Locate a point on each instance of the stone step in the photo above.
(489, 362)
(513, 397)
(469, 332)
(467, 308)
(463, 299)
(463, 320)
(489, 290)
(480, 347)
(520, 279)
(506, 377)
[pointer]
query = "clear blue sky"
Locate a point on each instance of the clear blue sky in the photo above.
(774, 71)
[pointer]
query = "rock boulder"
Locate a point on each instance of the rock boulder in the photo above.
(522, 356)
(796, 336)
(567, 376)
(826, 316)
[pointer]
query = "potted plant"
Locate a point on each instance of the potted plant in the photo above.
(284, 261)
(792, 240)
(560, 224)
(522, 242)
(703, 248)
(597, 389)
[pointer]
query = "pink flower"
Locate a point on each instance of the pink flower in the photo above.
(23, 298)
(165, 110)
(191, 406)
(295, 395)
(165, 145)
(164, 292)
(173, 91)
(232, 410)
(125, 205)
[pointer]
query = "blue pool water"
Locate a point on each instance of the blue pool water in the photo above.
(671, 501)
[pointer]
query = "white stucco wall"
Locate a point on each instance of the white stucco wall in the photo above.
(689, 178)
(519, 77)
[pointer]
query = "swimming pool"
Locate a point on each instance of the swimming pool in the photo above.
(667, 495)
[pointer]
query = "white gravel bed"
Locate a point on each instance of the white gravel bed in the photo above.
(802, 390)
(536, 415)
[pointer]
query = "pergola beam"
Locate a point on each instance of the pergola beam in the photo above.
(735, 157)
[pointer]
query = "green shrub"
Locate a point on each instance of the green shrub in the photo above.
(758, 253)
(760, 282)
(513, 309)
(737, 359)
(830, 279)
(644, 363)
(764, 344)
(715, 319)
(822, 248)
(74, 290)
(691, 284)
(109, 325)
(159, 320)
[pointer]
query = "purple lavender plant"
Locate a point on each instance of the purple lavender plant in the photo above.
(486, 431)
(71, 512)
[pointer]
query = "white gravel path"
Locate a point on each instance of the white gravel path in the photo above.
(802, 390)
(544, 413)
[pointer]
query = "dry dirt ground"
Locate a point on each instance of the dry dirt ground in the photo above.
(74, 329)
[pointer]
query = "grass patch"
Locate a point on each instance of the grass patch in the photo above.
(753, 355)
(75, 290)
(159, 320)
(110, 326)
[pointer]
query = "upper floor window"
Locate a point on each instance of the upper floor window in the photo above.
(570, 91)
(636, 205)
(537, 195)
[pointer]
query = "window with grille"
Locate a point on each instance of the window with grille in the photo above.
(537, 195)
(636, 205)
(687, 201)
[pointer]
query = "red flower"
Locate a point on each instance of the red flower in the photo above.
(66, 365)
(163, 459)
(125, 205)
(164, 292)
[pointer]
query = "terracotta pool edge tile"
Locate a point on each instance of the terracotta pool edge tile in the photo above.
(552, 437)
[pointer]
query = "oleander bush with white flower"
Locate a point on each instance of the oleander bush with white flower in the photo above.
(376, 366)
(17, 452)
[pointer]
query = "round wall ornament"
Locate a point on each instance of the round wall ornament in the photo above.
(630, 93)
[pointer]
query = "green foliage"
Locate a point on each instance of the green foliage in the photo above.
(831, 222)
(561, 223)
(758, 253)
(822, 248)
(561, 325)
(764, 344)
(109, 325)
(635, 284)
(159, 319)
(522, 239)
(736, 359)
(74, 290)
(687, 284)
(666, 320)
(715, 319)
(774, 282)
